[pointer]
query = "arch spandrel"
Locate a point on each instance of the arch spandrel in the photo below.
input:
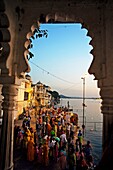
(13, 48)
(91, 15)
(74, 11)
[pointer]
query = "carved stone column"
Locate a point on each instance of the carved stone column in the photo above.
(9, 91)
(107, 110)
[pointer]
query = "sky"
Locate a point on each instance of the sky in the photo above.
(62, 59)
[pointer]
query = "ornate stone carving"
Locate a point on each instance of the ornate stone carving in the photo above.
(9, 92)
(4, 39)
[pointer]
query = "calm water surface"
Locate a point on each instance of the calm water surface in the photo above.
(93, 122)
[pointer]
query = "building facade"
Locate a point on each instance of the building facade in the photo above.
(25, 95)
(41, 94)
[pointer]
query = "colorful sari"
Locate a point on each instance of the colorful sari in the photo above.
(30, 150)
(45, 154)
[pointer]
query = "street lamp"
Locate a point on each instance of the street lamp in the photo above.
(83, 104)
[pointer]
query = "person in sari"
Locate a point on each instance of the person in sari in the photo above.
(19, 137)
(82, 164)
(30, 150)
(71, 158)
(45, 153)
(62, 160)
(40, 153)
(28, 133)
(55, 128)
(48, 129)
(24, 142)
(80, 137)
(56, 151)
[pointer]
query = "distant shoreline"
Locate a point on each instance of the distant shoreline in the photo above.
(67, 97)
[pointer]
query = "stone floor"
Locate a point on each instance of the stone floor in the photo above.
(20, 163)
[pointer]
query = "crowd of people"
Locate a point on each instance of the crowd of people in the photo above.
(57, 138)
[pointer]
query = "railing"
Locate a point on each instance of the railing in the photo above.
(93, 125)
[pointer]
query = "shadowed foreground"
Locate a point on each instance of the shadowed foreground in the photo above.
(20, 163)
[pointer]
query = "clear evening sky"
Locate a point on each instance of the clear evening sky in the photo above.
(62, 59)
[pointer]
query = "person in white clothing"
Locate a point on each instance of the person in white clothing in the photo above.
(63, 138)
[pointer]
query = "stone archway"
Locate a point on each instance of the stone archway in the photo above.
(16, 18)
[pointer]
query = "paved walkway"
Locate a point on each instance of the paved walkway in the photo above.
(33, 122)
(20, 163)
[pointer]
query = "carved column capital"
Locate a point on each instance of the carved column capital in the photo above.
(106, 94)
(9, 92)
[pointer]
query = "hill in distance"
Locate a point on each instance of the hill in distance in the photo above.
(76, 97)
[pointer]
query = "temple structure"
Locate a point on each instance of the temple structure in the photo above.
(19, 20)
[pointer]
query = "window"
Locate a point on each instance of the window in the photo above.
(26, 94)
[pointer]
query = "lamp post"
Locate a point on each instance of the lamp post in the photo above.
(83, 104)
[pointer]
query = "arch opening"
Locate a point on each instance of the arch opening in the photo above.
(43, 69)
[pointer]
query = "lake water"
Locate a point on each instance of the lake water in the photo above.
(93, 122)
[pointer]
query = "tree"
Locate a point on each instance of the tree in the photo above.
(55, 97)
(38, 33)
